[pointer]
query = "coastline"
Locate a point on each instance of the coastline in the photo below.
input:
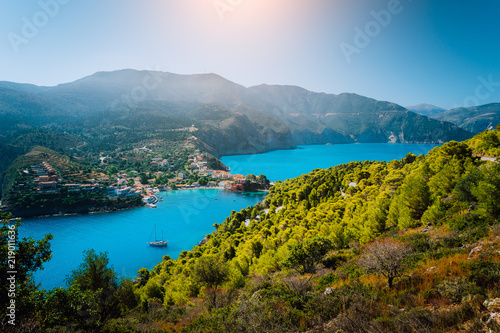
(109, 209)
(83, 210)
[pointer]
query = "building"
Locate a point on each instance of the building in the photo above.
(47, 186)
(225, 184)
(44, 179)
(72, 187)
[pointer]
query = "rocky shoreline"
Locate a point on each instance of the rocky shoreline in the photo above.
(58, 211)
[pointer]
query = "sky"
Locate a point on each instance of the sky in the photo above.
(442, 52)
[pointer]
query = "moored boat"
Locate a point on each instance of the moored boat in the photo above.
(158, 243)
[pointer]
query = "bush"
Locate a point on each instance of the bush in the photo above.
(420, 242)
(452, 240)
(334, 261)
(326, 281)
(456, 316)
(415, 320)
(485, 273)
(456, 289)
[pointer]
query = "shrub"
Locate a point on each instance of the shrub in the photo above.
(420, 242)
(485, 273)
(334, 261)
(456, 316)
(326, 281)
(456, 289)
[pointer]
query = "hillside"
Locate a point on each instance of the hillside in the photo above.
(348, 117)
(294, 263)
(308, 117)
(41, 182)
(473, 119)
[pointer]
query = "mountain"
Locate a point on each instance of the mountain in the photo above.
(310, 117)
(109, 109)
(473, 119)
(351, 117)
(425, 109)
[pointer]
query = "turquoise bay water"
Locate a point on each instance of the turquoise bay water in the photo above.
(186, 216)
(284, 164)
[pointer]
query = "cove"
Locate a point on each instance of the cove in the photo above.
(184, 216)
(284, 164)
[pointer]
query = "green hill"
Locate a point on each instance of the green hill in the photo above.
(279, 116)
(294, 263)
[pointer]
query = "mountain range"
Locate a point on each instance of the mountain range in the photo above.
(425, 109)
(119, 107)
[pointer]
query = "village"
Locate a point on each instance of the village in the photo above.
(195, 174)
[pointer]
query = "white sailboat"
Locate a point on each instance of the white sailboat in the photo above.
(158, 242)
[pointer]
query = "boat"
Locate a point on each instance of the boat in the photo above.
(158, 242)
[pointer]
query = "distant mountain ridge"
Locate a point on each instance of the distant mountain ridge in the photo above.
(425, 109)
(230, 118)
(473, 119)
(309, 117)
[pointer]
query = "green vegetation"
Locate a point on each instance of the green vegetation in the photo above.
(24, 257)
(82, 185)
(403, 246)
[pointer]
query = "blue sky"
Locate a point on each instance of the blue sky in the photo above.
(408, 51)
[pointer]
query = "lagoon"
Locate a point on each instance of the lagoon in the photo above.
(184, 216)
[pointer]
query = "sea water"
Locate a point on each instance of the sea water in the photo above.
(184, 217)
(284, 164)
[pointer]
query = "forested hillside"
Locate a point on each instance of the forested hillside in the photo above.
(293, 263)
(410, 245)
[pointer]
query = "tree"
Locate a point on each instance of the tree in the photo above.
(25, 257)
(210, 271)
(262, 180)
(95, 275)
(113, 170)
(488, 191)
(416, 195)
(304, 256)
(251, 177)
(257, 248)
(130, 182)
(203, 181)
(143, 178)
(143, 275)
(385, 257)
